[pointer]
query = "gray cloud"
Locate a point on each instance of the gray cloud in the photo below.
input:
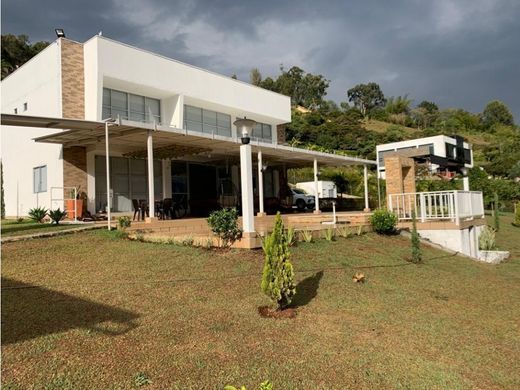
(458, 53)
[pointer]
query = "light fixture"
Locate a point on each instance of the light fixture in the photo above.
(464, 171)
(264, 166)
(245, 127)
(60, 33)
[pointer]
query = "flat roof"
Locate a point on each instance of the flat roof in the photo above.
(131, 137)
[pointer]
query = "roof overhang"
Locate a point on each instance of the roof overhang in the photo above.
(131, 137)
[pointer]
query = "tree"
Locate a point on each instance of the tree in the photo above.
(398, 105)
(366, 97)
(278, 274)
(416, 241)
(17, 50)
(495, 113)
(430, 107)
(255, 77)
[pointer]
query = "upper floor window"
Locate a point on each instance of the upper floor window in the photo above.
(40, 179)
(16, 110)
(451, 151)
(25, 106)
(467, 156)
(262, 132)
(129, 106)
(207, 121)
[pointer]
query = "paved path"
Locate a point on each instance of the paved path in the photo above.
(51, 234)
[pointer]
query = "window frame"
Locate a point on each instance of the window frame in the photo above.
(40, 188)
(127, 111)
(221, 126)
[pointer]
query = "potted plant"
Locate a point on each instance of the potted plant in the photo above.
(75, 204)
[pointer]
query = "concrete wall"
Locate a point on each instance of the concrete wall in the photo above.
(37, 83)
(464, 241)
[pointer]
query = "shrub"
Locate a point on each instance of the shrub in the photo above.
(383, 221)
(188, 240)
(306, 235)
(224, 224)
(291, 236)
(123, 222)
(496, 215)
(345, 231)
(328, 234)
(57, 215)
(516, 221)
(486, 239)
(416, 242)
(19, 220)
(142, 379)
(278, 275)
(37, 214)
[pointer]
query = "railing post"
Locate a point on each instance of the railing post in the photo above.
(456, 201)
(422, 206)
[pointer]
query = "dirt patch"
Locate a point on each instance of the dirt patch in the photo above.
(268, 312)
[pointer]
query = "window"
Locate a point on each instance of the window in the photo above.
(429, 146)
(467, 156)
(129, 106)
(40, 179)
(207, 121)
(16, 110)
(262, 132)
(25, 106)
(451, 151)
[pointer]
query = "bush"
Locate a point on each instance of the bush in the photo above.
(516, 221)
(306, 235)
(416, 241)
(486, 240)
(383, 221)
(291, 236)
(37, 214)
(329, 234)
(224, 224)
(278, 275)
(123, 222)
(57, 215)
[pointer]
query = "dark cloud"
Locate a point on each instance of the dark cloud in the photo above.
(458, 53)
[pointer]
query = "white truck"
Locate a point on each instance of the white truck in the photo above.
(326, 189)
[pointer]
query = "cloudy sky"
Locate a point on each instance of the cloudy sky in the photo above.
(458, 53)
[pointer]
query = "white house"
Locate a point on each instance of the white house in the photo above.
(442, 154)
(173, 136)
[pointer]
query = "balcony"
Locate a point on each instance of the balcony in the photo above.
(454, 206)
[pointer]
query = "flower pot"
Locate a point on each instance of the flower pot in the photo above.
(69, 206)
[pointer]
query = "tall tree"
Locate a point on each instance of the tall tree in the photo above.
(430, 107)
(496, 112)
(366, 97)
(17, 50)
(398, 105)
(255, 77)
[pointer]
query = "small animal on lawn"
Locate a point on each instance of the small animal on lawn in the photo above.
(358, 277)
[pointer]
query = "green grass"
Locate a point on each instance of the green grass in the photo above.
(90, 311)
(12, 228)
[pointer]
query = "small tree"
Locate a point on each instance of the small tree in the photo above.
(224, 224)
(416, 242)
(278, 275)
(516, 222)
(496, 216)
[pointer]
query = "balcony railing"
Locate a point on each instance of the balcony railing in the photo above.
(439, 205)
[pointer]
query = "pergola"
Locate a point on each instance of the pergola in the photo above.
(146, 140)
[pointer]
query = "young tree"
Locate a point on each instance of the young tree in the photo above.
(255, 77)
(278, 275)
(416, 241)
(366, 97)
(497, 112)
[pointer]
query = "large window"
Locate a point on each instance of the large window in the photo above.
(129, 106)
(262, 132)
(207, 121)
(40, 179)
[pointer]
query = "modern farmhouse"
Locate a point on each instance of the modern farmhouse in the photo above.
(119, 125)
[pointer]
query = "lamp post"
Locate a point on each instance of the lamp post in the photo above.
(108, 122)
(465, 178)
(245, 128)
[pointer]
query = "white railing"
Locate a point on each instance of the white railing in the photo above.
(437, 205)
(59, 199)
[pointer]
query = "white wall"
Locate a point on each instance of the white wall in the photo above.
(464, 241)
(37, 83)
(119, 66)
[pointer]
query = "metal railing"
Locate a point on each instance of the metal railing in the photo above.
(437, 205)
(61, 198)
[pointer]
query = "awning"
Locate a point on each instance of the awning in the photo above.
(169, 142)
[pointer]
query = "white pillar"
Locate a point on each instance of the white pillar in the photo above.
(151, 195)
(465, 183)
(365, 177)
(107, 159)
(316, 192)
(246, 183)
(260, 185)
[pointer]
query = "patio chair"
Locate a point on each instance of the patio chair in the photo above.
(166, 209)
(145, 210)
(137, 209)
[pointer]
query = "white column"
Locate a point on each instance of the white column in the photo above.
(316, 192)
(260, 185)
(107, 159)
(246, 175)
(365, 177)
(151, 195)
(465, 183)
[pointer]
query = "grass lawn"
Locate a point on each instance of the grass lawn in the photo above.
(90, 311)
(13, 228)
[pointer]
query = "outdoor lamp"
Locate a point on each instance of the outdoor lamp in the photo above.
(464, 171)
(245, 127)
(60, 33)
